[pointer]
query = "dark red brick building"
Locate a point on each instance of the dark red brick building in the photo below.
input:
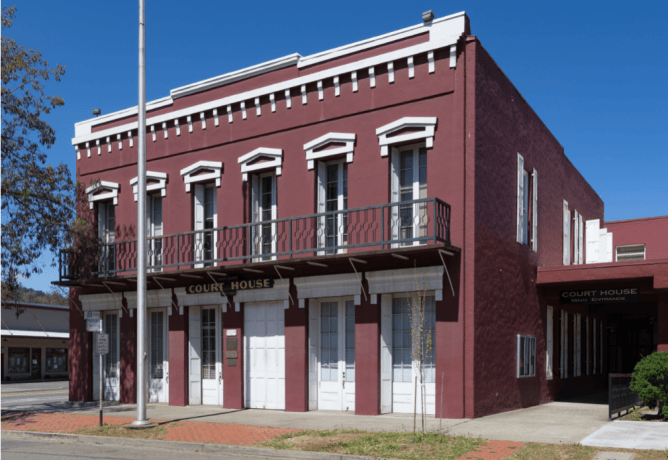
(327, 197)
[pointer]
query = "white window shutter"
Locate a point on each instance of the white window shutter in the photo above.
(194, 356)
(322, 197)
(385, 353)
(580, 237)
(520, 197)
(313, 342)
(255, 214)
(274, 213)
(198, 200)
(567, 234)
(534, 217)
(394, 178)
(576, 242)
(549, 343)
(593, 234)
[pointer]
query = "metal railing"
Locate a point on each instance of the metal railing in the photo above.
(377, 227)
(620, 396)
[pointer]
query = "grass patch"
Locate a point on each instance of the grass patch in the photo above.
(540, 451)
(410, 446)
(119, 431)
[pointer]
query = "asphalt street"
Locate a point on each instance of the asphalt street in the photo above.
(51, 449)
(26, 395)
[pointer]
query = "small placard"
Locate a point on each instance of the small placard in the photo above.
(232, 362)
(232, 354)
(102, 344)
(231, 343)
(92, 314)
(94, 325)
(231, 332)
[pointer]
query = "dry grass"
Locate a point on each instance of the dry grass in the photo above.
(120, 431)
(539, 451)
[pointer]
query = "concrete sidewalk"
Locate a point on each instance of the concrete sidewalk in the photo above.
(558, 422)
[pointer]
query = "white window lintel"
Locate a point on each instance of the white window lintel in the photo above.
(161, 184)
(427, 123)
(346, 138)
(276, 161)
(112, 192)
(214, 166)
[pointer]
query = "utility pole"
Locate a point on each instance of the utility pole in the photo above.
(142, 377)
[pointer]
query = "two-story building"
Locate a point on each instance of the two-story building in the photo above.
(300, 210)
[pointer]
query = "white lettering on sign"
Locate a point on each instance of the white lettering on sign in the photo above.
(92, 314)
(102, 344)
(231, 332)
(94, 325)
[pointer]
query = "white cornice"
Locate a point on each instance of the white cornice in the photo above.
(276, 162)
(157, 176)
(348, 139)
(84, 127)
(214, 166)
(428, 125)
(443, 32)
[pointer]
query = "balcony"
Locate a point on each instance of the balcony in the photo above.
(374, 228)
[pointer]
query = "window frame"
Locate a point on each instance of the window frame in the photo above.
(50, 353)
(524, 361)
(419, 209)
(644, 252)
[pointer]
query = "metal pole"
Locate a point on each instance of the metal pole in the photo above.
(101, 389)
(141, 227)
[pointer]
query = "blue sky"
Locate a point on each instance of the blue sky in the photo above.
(595, 72)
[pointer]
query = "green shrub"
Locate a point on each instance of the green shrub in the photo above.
(650, 380)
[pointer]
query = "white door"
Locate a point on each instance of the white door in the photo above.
(336, 354)
(409, 182)
(212, 365)
(159, 356)
(264, 346)
(112, 365)
(400, 346)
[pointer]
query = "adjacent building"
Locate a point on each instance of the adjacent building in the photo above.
(35, 343)
(308, 215)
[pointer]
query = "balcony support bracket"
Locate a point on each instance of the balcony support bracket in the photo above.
(358, 275)
(440, 253)
(281, 277)
(107, 286)
(220, 289)
(180, 310)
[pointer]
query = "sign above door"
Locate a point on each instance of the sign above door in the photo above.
(230, 287)
(598, 296)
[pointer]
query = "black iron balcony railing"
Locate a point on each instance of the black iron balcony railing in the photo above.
(385, 226)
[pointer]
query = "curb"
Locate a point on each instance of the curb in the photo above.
(185, 447)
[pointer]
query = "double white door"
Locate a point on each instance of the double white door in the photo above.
(333, 330)
(212, 356)
(158, 371)
(264, 346)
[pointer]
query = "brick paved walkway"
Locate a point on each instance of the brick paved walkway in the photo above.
(186, 431)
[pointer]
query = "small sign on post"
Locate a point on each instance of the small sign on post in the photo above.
(102, 344)
(92, 314)
(101, 349)
(94, 325)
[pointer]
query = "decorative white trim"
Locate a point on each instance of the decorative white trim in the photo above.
(337, 87)
(354, 78)
(304, 98)
(272, 101)
(88, 148)
(177, 126)
(111, 194)
(288, 99)
(216, 122)
(404, 280)
(318, 287)
(101, 302)
(390, 72)
(347, 149)
(164, 130)
(430, 58)
(204, 298)
(108, 144)
(190, 123)
(372, 77)
(131, 139)
(153, 132)
(258, 107)
(229, 114)
(453, 56)
(158, 176)
(120, 142)
(374, 299)
(280, 291)
(99, 149)
(428, 123)
(203, 118)
(154, 298)
(321, 92)
(411, 67)
(243, 111)
(276, 162)
(188, 172)
(76, 149)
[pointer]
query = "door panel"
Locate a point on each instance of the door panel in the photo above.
(159, 356)
(112, 365)
(264, 343)
(212, 377)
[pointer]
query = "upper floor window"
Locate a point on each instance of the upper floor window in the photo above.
(154, 230)
(332, 197)
(527, 205)
(409, 183)
(630, 252)
(106, 224)
(206, 218)
(263, 202)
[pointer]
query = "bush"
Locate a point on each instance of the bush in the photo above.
(650, 380)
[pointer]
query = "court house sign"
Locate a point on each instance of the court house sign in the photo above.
(592, 296)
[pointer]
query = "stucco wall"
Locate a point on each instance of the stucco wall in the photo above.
(652, 231)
